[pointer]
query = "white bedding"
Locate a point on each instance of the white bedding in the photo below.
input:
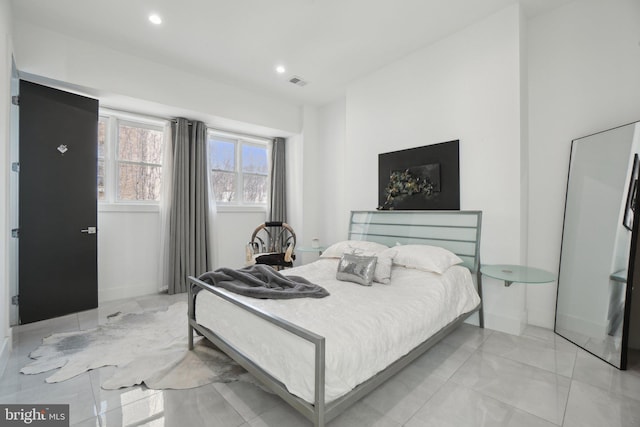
(366, 328)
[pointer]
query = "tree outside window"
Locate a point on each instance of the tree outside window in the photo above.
(129, 159)
(139, 163)
(239, 171)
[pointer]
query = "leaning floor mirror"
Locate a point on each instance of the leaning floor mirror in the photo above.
(598, 245)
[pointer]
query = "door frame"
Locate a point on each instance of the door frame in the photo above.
(14, 186)
(66, 280)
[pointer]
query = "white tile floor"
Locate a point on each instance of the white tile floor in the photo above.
(474, 377)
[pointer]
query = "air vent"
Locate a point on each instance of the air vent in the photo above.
(297, 81)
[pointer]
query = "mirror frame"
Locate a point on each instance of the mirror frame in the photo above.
(633, 253)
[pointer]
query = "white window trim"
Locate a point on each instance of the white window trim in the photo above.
(111, 162)
(128, 207)
(240, 208)
(109, 179)
(239, 140)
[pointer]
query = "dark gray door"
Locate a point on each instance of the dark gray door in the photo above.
(58, 272)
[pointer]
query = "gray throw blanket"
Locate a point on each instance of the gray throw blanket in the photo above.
(262, 281)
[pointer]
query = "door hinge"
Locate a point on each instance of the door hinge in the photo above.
(15, 100)
(15, 166)
(14, 300)
(15, 233)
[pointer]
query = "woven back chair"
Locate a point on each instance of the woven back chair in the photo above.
(273, 243)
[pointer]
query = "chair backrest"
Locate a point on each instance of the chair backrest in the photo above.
(272, 236)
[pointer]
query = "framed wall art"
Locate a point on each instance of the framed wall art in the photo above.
(421, 178)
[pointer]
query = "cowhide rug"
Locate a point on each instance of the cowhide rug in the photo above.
(148, 347)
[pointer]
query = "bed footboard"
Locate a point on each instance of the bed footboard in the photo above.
(319, 412)
(314, 412)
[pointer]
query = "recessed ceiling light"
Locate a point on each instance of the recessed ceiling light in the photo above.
(155, 19)
(280, 69)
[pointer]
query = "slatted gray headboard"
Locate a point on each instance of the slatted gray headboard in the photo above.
(457, 231)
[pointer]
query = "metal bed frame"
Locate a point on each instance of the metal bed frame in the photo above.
(458, 231)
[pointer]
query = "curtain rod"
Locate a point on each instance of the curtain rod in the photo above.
(173, 119)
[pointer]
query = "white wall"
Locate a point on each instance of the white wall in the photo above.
(232, 233)
(466, 87)
(313, 171)
(5, 117)
(578, 66)
(129, 242)
(129, 248)
(333, 221)
(316, 176)
(584, 63)
(294, 152)
(55, 56)
(128, 253)
(304, 182)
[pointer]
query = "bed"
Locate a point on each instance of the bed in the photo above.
(322, 355)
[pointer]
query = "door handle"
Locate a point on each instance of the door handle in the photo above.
(90, 230)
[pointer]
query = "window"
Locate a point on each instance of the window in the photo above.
(139, 162)
(239, 170)
(103, 124)
(129, 159)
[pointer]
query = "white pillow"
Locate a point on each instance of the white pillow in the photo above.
(383, 266)
(358, 247)
(425, 257)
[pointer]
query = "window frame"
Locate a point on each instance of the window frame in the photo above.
(113, 120)
(106, 155)
(239, 205)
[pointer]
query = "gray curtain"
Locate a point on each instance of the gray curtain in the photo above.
(278, 203)
(189, 212)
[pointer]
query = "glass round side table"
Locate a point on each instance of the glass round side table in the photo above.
(517, 274)
(319, 249)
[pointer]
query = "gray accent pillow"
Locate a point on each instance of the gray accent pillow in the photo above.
(357, 268)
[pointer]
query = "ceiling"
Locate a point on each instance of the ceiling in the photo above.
(328, 43)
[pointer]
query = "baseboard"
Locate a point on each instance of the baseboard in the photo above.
(128, 291)
(509, 325)
(541, 318)
(5, 352)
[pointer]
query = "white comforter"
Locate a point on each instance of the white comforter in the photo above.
(366, 328)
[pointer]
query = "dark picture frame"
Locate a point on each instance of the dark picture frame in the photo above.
(436, 164)
(632, 192)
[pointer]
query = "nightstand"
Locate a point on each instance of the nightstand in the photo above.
(517, 274)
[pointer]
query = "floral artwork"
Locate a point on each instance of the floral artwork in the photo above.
(421, 180)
